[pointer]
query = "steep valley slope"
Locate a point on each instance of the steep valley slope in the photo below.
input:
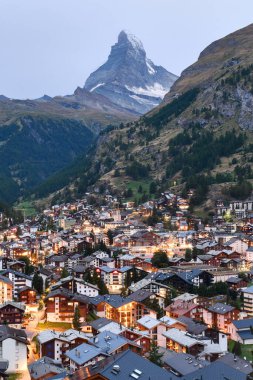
(199, 137)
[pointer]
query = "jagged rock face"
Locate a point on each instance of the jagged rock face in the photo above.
(129, 78)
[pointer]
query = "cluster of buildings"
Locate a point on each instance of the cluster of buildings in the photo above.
(106, 308)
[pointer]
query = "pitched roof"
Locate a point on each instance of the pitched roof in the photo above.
(140, 295)
(114, 327)
(234, 280)
(16, 334)
(181, 337)
(45, 366)
(193, 327)
(249, 289)
(125, 365)
(110, 270)
(60, 291)
(79, 268)
(243, 323)
(58, 258)
(16, 274)
(236, 363)
(6, 280)
(68, 294)
(133, 366)
(205, 257)
(183, 363)
(218, 371)
(64, 280)
(148, 322)
(115, 300)
(169, 321)
(26, 288)
(66, 336)
(146, 281)
(84, 353)
(245, 335)
(185, 297)
(45, 271)
(188, 276)
(17, 305)
(109, 342)
(221, 308)
(99, 323)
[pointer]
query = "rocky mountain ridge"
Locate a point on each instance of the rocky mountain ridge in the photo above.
(202, 132)
(129, 78)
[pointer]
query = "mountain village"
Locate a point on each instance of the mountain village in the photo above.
(126, 205)
(99, 289)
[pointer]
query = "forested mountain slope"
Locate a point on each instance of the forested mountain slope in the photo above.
(200, 137)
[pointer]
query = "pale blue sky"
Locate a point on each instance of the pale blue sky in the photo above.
(51, 46)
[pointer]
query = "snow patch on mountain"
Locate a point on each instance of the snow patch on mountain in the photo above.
(143, 100)
(134, 41)
(157, 90)
(151, 70)
(98, 85)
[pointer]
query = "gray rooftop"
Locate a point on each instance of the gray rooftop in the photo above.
(181, 337)
(248, 290)
(221, 308)
(109, 342)
(10, 332)
(218, 371)
(140, 295)
(133, 366)
(236, 363)
(66, 336)
(195, 328)
(84, 353)
(148, 322)
(183, 364)
(45, 366)
(100, 322)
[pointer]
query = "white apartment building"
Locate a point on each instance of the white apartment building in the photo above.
(248, 300)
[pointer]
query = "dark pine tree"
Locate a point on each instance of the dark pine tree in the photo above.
(76, 319)
(154, 355)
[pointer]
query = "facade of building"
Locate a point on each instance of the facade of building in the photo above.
(114, 278)
(77, 285)
(248, 300)
(6, 289)
(60, 306)
(179, 341)
(53, 344)
(241, 331)
(18, 279)
(12, 313)
(126, 312)
(13, 347)
(27, 295)
(220, 316)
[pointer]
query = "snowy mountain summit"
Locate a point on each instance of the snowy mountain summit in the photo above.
(129, 78)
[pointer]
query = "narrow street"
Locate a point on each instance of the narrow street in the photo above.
(32, 331)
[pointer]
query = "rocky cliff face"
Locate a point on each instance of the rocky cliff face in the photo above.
(129, 78)
(224, 75)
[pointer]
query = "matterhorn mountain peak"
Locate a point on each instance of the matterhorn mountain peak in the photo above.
(128, 78)
(127, 37)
